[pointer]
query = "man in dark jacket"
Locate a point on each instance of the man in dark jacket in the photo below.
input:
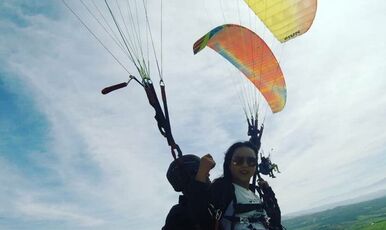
(179, 217)
(181, 172)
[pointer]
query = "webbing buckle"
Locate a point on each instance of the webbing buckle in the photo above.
(218, 214)
(244, 220)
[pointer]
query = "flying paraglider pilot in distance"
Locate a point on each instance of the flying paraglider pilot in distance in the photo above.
(266, 167)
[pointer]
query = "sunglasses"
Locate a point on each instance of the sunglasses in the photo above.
(239, 161)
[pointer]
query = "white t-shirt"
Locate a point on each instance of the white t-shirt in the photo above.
(243, 196)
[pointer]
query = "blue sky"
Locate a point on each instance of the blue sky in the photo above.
(71, 158)
(22, 124)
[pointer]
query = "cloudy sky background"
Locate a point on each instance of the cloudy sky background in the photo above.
(71, 158)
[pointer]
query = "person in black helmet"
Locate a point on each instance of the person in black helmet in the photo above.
(180, 173)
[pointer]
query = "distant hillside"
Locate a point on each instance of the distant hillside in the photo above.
(368, 215)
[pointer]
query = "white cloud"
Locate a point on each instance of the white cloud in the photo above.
(107, 153)
(39, 211)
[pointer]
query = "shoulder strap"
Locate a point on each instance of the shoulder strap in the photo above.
(272, 208)
(233, 222)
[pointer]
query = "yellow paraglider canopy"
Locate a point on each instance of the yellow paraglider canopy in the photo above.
(286, 19)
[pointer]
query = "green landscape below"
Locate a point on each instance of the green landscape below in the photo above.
(368, 215)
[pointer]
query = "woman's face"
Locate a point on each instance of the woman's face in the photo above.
(243, 165)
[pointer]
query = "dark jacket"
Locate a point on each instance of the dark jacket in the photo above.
(206, 200)
(179, 217)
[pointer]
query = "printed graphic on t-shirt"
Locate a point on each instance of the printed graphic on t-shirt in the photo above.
(248, 220)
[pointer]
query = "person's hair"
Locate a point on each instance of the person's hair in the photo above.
(229, 154)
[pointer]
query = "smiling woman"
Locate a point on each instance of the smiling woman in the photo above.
(231, 198)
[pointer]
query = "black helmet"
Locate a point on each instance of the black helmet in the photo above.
(182, 170)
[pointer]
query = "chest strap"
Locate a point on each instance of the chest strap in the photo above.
(241, 208)
(246, 220)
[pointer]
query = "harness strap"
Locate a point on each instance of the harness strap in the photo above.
(272, 208)
(169, 135)
(245, 220)
(241, 208)
(269, 200)
(162, 116)
(255, 138)
(233, 223)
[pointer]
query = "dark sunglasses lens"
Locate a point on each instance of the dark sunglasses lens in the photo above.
(251, 161)
(238, 161)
